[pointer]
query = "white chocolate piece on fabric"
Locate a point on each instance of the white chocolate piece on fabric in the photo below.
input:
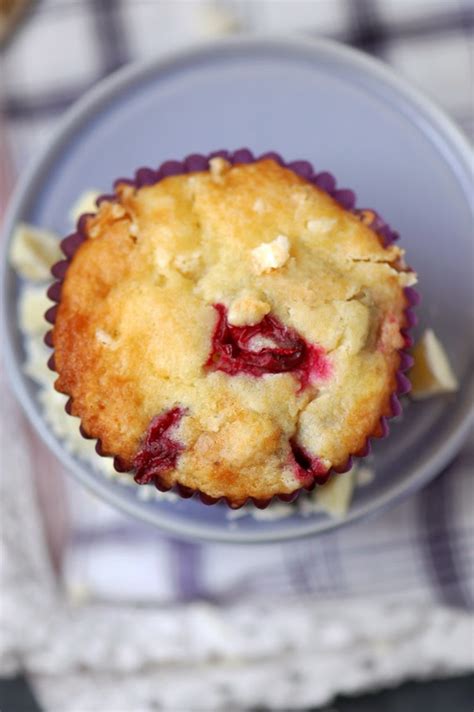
(431, 374)
(33, 252)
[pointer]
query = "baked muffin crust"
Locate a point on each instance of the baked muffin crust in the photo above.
(248, 265)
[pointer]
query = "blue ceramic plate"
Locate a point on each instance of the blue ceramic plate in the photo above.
(305, 99)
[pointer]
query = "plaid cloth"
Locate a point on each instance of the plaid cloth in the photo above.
(420, 549)
(93, 38)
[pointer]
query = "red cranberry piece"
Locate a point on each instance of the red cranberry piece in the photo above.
(159, 452)
(306, 466)
(232, 351)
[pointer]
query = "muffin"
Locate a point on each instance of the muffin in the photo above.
(231, 327)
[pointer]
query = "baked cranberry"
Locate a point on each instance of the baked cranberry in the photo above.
(235, 349)
(159, 452)
(307, 467)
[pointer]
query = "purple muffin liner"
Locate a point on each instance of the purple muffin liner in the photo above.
(324, 181)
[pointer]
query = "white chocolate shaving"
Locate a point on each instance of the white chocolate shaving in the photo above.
(271, 255)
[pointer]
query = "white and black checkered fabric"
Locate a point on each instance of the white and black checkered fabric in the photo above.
(65, 46)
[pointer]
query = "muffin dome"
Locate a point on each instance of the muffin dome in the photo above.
(232, 330)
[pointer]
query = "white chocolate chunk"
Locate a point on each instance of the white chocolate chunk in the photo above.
(259, 206)
(356, 319)
(33, 252)
(431, 373)
(218, 166)
(84, 204)
(162, 258)
(117, 211)
(257, 343)
(31, 309)
(271, 255)
(105, 339)
(321, 225)
(407, 279)
(188, 263)
(334, 497)
(247, 309)
(390, 336)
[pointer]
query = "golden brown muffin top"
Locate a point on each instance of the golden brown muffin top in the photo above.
(235, 330)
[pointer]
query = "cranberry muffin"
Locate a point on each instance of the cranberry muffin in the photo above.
(231, 327)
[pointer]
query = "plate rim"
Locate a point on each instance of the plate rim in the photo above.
(73, 118)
